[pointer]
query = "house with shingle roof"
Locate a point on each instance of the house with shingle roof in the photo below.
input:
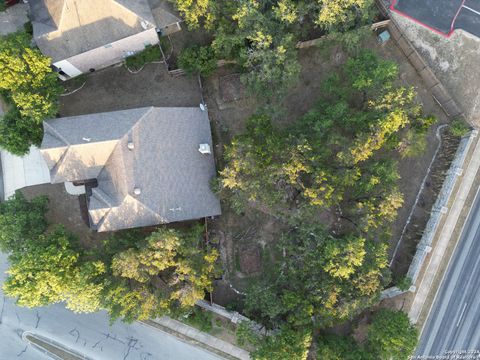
(152, 165)
(87, 35)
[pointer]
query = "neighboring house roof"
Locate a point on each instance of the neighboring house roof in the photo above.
(65, 28)
(165, 164)
(164, 13)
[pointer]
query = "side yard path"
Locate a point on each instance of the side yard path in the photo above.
(198, 338)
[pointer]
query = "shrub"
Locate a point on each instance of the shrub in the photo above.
(404, 283)
(391, 336)
(199, 319)
(198, 60)
(150, 54)
(458, 128)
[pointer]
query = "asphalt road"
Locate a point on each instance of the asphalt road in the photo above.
(453, 324)
(88, 334)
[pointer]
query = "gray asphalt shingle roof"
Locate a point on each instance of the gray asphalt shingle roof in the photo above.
(165, 165)
(65, 28)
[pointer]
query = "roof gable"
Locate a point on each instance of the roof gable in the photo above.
(64, 28)
(152, 173)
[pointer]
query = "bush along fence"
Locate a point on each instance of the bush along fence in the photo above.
(439, 209)
(233, 316)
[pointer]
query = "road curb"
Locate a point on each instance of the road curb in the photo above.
(197, 338)
(446, 234)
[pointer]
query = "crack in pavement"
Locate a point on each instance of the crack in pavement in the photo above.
(145, 356)
(114, 338)
(96, 344)
(132, 342)
(38, 319)
(75, 332)
(3, 308)
(23, 351)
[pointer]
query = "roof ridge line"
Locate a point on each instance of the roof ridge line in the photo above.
(136, 14)
(145, 206)
(54, 171)
(61, 15)
(100, 222)
(99, 194)
(55, 133)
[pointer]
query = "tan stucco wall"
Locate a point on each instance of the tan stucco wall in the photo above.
(113, 53)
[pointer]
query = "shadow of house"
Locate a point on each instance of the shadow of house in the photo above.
(146, 161)
(87, 35)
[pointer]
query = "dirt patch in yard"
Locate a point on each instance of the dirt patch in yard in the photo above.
(65, 209)
(117, 89)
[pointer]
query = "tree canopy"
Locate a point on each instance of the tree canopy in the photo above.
(391, 336)
(330, 157)
(132, 276)
(337, 162)
(169, 271)
(29, 86)
(261, 35)
(320, 279)
(286, 344)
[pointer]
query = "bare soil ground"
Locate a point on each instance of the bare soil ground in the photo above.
(66, 209)
(115, 88)
(229, 107)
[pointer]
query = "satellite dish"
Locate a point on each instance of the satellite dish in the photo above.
(203, 106)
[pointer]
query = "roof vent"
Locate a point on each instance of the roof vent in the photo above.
(137, 191)
(203, 106)
(204, 149)
(144, 24)
(130, 145)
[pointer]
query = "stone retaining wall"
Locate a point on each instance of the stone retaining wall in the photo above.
(439, 209)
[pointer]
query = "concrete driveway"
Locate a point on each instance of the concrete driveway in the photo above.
(21, 171)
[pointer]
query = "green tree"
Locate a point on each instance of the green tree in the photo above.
(28, 82)
(458, 128)
(335, 347)
(21, 223)
(170, 270)
(391, 336)
(196, 12)
(50, 271)
(319, 279)
(287, 344)
(198, 60)
(341, 13)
